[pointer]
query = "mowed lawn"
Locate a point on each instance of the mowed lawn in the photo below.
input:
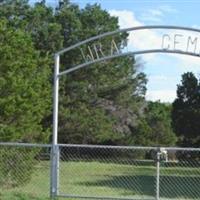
(109, 180)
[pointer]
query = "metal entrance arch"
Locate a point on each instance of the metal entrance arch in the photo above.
(191, 42)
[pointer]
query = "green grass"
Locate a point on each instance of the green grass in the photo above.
(109, 179)
(18, 196)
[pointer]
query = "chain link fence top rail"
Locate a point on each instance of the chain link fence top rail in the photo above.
(103, 172)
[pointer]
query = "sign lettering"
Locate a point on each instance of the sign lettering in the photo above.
(96, 51)
(179, 42)
(192, 43)
(173, 42)
(165, 41)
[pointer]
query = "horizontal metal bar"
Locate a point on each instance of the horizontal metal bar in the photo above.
(126, 54)
(126, 30)
(98, 146)
(24, 144)
(181, 149)
(96, 197)
(106, 147)
(128, 147)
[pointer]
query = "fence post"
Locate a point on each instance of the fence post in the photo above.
(58, 170)
(55, 157)
(158, 174)
(55, 148)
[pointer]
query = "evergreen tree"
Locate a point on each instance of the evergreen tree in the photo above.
(186, 111)
(24, 87)
(85, 93)
(155, 129)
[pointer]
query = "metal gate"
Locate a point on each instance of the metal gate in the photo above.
(117, 172)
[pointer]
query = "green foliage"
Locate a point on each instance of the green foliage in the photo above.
(159, 119)
(24, 87)
(25, 91)
(155, 129)
(186, 111)
(82, 120)
(38, 20)
(15, 11)
(85, 124)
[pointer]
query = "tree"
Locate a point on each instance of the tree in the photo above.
(38, 20)
(24, 87)
(45, 31)
(24, 103)
(85, 94)
(186, 111)
(154, 129)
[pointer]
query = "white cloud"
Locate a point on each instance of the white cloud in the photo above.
(150, 18)
(138, 40)
(159, 78)
(196, 26)
(126, 18)
(168, 9)
(157, 14)
(162, 95)
(188, 63)
(152, 39)
(152, 15)
(149, 39)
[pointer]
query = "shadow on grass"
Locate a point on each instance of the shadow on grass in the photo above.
(180, 186)
(170, 186)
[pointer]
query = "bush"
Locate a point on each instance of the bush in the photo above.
(16, 166)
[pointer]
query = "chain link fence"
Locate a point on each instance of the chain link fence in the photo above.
(24, 171)
(101, 172)
(107, 172)
(180, 174)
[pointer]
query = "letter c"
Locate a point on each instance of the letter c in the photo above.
(165, 41)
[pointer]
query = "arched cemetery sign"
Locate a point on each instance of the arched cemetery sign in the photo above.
(167, 39)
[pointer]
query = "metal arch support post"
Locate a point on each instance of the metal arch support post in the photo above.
(55, 149)
(158, 174)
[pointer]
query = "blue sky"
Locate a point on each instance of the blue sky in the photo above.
(163, 70)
